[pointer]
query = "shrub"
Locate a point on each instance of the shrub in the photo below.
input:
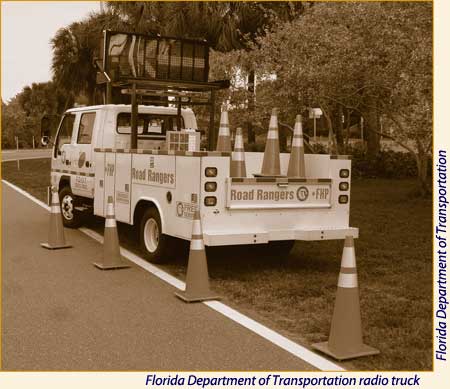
(387, 164)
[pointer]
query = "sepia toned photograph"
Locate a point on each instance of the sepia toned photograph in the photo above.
(217, 186)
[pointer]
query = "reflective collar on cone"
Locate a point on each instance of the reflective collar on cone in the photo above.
(224, 131)
(197, 244)
(238, 156)
(348, 280)
(273, 133)
(239, 143)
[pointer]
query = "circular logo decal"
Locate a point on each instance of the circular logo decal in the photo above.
(180, 209)
(81, 160)
(302, 193)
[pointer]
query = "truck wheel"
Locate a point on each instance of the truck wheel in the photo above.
(154, 244)
(71, 217)
(280, 248)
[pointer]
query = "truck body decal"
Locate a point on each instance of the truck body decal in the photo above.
(256, 194)
(148, 170)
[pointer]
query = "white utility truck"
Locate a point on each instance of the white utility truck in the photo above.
(148, 158)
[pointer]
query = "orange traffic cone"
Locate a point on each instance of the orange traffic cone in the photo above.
(237, 166)
(346, 340)
(56, 239)
(111, 249)
(224, 139)
(296, 166)
(271, 160)
(197, 279)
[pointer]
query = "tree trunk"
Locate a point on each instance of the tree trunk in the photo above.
(422, 172)
(347, 129)
(251, 106)
(91, 95)
(338, 128)
(70, 101)
(372, 124)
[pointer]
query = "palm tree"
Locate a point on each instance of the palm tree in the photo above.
(74, 48)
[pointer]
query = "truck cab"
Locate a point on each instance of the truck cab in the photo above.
(84, 129)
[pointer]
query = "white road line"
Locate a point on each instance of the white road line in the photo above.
(27, 195)
(274, 337)
(175, 282)
(24, 158)
(279, 340)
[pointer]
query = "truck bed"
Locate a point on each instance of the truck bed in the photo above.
(247, 210)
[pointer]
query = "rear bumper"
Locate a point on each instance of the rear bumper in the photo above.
(228, 239)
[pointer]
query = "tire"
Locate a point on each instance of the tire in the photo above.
(280, 248)
(67, 201)
(154, 244)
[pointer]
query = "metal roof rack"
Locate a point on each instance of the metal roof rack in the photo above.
(155, 68)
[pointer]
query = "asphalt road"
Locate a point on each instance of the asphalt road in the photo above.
(61, 313)
(12, 155)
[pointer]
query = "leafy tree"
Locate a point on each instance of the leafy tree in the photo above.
(13, 120)
(371, 58)
(22, 115)
(42, 98)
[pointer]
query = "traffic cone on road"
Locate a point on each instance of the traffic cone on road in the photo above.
(56, 239)
(111, 249)
(346, 340)
(237, 165)
(224, 139)
(271, 160)
(296, 166)
(197, 278)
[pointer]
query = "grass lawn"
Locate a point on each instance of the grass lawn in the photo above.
(296, 296)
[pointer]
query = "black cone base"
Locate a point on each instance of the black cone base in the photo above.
(188, 298)
(47, 246)
(363, 351)
(112, 266)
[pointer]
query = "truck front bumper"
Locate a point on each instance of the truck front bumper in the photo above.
(228, 239)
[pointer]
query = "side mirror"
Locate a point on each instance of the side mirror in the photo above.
(45, 130)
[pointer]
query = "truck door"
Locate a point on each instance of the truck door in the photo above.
(82, 155)
(62, 151)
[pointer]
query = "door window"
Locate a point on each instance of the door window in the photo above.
(86, 127)
(65, 133)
